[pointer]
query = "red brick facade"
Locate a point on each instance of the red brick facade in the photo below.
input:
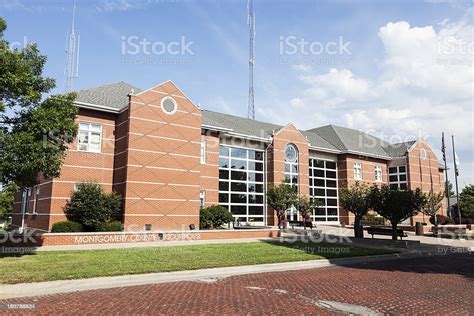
(152, 158)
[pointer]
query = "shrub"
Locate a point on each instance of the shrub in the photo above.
(214, 216)
(370, 218)
(91, 206)
(114, 226)
(66, 227)
(441, 220)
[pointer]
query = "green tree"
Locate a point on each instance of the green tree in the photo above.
(433, 205)
(306, 206)
(450, 190)
(396, 205)
(214, 216)
(466, 202)
(91, 206)
(281, 198)
(34, 132)
(355, 200)
(6, 200)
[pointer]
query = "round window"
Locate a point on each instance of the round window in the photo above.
(423, 154)
(291, 154)
(168, 105)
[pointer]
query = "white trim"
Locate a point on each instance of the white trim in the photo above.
(174, 103)
(97, 107)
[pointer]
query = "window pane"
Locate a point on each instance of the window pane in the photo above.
(223, 198)
(319, 211)
(256, 210)
(319, 183)
(331, 165)
(238, 198)
(393, 178)
(259, 188)
(319, 173)
(224, 163)
(238, 164)
(403, 186)
(403, 177)
(95, 127)
(319, 163)
(223, 186)
(238, 210)
(332, 211)
(255, 199)
(237, 186)
(331, 192)
(223, 174)
(224, 151)
(331, 174)
(331, 183)
(319, 192)
(332, 202)
(402, 169)
(394, 186)
(238, 175)
(238, 153)
(392, 170)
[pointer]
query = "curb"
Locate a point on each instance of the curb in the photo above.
(203, 275)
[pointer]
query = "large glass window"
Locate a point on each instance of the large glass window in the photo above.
(241, 183)
(397, 177)
(89, 137)
(357, 171)
(323, 187)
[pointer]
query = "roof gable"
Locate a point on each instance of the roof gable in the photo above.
(113, 96)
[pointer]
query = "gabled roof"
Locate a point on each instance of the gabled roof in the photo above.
(331, 138)
(350, 140)
(113, 96)
(399, 149)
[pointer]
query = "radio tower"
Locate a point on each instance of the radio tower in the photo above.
(251, 23)
(72, 51)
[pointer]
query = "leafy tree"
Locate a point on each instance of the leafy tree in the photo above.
(355, 200)
(450, 190)
(466, 202)
(6, 200)
(91, 206)
(34, 133)
(306, 206)
(396, 205)
(281, 198)
(432, 207)
(214, 216)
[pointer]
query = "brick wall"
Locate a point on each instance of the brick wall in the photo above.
(163, 161)
(276, 162)
(346, 178)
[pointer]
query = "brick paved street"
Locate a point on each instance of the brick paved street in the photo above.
(427, 285)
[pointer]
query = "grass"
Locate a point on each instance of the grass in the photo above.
(78, 264)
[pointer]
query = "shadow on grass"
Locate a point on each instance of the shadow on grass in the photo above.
(456, 261)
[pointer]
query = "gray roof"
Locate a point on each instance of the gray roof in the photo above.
(399, 149)
(113, 95)
(352, 141)
(329, 137)
(255, 128)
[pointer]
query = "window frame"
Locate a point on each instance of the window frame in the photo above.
(89, 134)
(378, 174)
(203, 150)
(358, 175)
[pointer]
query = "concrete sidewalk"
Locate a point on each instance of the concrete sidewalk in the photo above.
(203, 275)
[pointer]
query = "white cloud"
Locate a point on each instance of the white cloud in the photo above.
(423, 85)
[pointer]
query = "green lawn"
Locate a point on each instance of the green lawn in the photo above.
(62, 265)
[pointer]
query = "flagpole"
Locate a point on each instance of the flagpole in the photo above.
(443, 150)
(456, 171)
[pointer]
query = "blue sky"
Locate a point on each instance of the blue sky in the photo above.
(392, 81)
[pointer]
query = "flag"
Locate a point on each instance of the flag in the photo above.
(456, 163)
(443, 147)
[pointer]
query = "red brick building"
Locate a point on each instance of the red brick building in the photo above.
(168, 157)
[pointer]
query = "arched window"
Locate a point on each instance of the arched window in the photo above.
(291, 165)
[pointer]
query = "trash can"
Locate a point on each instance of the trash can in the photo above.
(419, 228)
